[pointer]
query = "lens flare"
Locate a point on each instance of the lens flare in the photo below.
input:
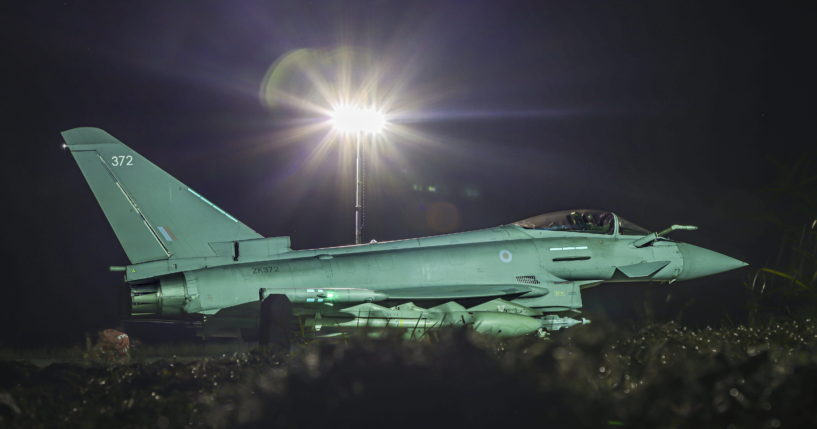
(331, 94)
(319, 98)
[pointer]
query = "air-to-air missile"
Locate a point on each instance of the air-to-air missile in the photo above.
(192, 261)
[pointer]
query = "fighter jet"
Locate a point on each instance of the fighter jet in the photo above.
(193, 262)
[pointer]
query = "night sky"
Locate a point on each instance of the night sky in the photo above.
(664, 112)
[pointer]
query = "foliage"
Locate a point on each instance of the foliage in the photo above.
(663, 375)
(787, 286)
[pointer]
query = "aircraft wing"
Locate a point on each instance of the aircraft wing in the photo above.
(426, 293)
(452, 292)
(245, 315)
(456, 292)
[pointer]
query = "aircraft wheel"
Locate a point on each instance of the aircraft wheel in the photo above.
(275, 322)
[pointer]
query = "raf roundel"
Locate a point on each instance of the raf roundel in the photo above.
(505, 256)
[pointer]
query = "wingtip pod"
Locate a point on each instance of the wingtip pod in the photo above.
(81, 136)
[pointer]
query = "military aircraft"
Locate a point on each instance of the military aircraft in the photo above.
(192, 261)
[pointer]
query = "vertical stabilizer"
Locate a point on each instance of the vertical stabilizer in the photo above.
(153, 215)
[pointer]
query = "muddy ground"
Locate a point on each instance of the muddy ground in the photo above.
(591, 376)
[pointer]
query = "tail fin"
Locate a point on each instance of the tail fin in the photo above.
(153, 215)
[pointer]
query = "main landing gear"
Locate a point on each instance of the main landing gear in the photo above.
(276, 322)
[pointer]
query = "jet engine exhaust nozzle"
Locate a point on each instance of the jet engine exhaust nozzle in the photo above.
(164, 298)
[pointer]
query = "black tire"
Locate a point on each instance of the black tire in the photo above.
(275, 324)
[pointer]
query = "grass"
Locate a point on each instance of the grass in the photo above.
(664, 375)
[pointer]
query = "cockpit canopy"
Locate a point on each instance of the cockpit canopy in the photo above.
(582, 220)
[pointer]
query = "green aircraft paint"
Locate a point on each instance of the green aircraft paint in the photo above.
(192, 261)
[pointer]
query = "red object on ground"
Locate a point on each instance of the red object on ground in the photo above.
(113, 344)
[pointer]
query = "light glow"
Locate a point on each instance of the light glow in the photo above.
(354, 119)
(323, 97)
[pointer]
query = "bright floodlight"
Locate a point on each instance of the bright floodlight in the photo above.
(353, 119)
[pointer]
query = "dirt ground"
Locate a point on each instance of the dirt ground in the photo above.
(591, 376)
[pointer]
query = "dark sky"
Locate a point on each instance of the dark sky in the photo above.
(665, 112)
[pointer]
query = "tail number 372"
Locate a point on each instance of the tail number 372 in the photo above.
(122, 160)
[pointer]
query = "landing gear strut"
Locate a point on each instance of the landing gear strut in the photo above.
(275, 327)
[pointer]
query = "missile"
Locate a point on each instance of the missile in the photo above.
(326, 295)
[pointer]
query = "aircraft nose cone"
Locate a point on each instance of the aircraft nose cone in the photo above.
(700, 262)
